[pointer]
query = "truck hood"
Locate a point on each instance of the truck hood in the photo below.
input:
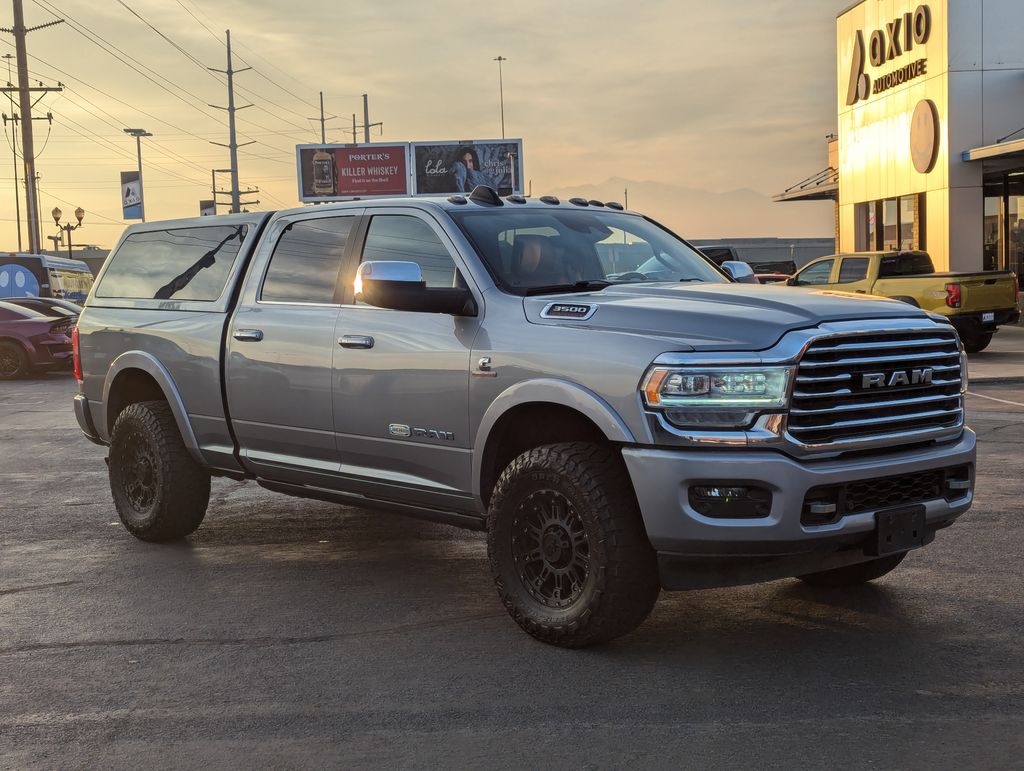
(710, 316)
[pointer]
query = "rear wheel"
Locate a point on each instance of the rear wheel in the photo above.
(567, 547)
(13, 361)
(160, 492)
(854, 575)
(976, 341)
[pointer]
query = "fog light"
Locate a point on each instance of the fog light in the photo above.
(729, 501)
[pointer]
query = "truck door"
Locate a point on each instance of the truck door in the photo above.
(401, 378)
(853, 275)
(280, 348)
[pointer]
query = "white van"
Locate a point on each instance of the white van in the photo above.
(40, 275)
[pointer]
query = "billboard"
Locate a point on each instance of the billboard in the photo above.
(344, 172)
(131, 195)
(444, 168)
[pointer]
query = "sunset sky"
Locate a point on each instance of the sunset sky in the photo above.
(732, 99)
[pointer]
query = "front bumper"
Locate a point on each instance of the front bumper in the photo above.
(779, 543)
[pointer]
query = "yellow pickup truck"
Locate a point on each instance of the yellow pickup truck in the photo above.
(975, 303)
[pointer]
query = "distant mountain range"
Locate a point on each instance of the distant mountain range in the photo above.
(696, 213)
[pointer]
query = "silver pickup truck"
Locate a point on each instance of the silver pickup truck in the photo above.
(502, 364)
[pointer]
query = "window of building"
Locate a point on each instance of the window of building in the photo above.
(892, 224)
(908, 213)
(306, 261)
(179, 264)
(853, 269)
(1004, 221)
(410, 239)
(864, 222)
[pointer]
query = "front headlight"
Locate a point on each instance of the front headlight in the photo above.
(716, 397)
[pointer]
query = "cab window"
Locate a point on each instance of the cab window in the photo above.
(818, 273)
(403, 238)
(853, 269)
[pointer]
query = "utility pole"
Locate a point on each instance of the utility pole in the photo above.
(236, 194)
(323, 120)
(354, 131)
(501, 93)
(14, 147)
(139, 134)
(20, 31)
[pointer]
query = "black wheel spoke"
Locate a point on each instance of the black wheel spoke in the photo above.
(551, 548)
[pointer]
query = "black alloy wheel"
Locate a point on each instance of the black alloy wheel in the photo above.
(551, 549)
(13, 361)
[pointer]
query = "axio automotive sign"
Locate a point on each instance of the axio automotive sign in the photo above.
(344, 172)
(443, 168)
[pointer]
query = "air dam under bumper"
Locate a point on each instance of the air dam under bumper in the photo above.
(696, 551)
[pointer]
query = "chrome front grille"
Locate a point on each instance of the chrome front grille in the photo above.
(911, 392)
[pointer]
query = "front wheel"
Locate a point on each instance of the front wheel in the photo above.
(567, 547)
(976, 342)
(160, 492)
(855, 575)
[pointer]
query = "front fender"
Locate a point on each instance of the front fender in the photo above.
(151, 366)
(548, 391)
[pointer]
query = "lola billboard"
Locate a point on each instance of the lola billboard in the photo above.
(344, 172)
(443, 168)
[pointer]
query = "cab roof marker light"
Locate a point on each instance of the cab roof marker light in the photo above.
(579, 201)
(615, 205)
(592, 202)
(551, 199)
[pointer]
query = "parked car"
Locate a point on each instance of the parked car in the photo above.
(471, 360)
(30, 340)
(976, 304)
(48, 306)
(720, 253)
(42, 275)
(773, 278)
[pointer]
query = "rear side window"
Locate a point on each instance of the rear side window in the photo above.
(179, 264)
(306, 261)
(911, 264)
(853, 269)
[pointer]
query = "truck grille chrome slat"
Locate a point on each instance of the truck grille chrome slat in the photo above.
(854, 390)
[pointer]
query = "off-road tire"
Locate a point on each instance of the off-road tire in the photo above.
(855, 575)
(976, 343)
(14, 361)
(160, 492)
(620, 583)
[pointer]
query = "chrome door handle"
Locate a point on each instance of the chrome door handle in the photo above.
(355, 341)
(248, 335)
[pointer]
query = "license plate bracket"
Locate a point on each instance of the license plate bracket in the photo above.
(898, 530)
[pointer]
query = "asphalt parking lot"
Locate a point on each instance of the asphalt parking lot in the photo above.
(288, 633)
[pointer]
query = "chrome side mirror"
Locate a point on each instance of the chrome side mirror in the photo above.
(400, 286)
(740, 272)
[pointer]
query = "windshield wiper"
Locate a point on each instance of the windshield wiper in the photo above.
(579, 286)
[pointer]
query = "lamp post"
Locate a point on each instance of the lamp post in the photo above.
(139, 134)
(79, 215)
(501, 93)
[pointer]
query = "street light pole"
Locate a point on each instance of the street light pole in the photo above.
(501, 93)
(138, 134)
(79, 215)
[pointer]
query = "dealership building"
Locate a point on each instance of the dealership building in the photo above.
(929, 152)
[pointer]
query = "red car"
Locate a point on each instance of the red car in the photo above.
(31, 340)
(773, 278)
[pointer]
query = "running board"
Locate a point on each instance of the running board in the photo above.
(458, 519)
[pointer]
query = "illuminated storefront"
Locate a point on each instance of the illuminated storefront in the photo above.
(930, 146)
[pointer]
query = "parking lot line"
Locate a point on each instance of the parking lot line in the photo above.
(994, 399)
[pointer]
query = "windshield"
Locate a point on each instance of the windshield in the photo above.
(531, 251)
